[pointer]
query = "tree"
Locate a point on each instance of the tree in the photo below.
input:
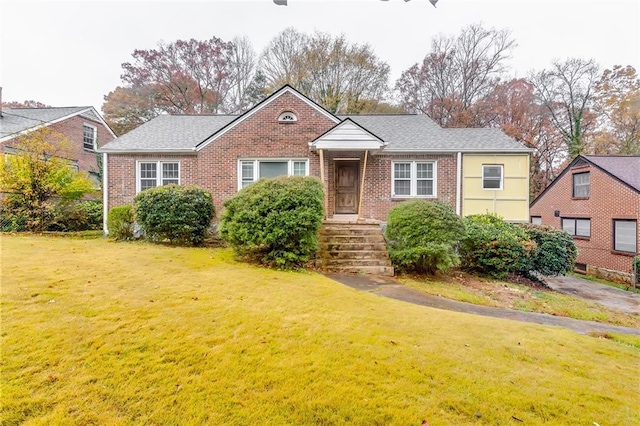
(617, 103)
(242, 69)
(513, 108)
(182, 77)
(25, 104)
(38, 176)
(342, 77)
(567, 92)
(126, 108)
(457, 73)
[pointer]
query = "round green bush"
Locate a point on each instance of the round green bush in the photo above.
(494, 247)
(555, 253)
(178, 214)
(275, 221)
(422, 236)
(120, 222)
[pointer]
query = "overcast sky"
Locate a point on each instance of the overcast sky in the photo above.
(70, 53)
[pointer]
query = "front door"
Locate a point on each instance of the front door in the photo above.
(347, 187)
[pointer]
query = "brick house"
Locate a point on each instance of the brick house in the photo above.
(82, 126)
(367, 163)
(597, 200)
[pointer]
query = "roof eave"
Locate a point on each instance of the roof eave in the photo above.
(474, 151)
(191, 151)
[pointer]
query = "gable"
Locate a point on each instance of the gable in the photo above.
(584, 162)
(293, 101)
(348, 135)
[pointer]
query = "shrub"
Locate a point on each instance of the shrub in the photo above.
(422, 236)
(494, 247)
(555, 252)
(120, 222)
(68, 216)
(179, 214)
(636, 266)
(95, 212)
(275, 221)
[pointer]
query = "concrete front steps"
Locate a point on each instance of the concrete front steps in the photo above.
(353, 247)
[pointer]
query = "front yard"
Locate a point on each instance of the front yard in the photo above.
(95, 332)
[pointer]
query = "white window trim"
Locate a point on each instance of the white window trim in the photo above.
(95, 137)
(501, 177)
(531, 220)
(158, 171)
(413, 178)
(614, 235)
(256, 170)
(282, 117)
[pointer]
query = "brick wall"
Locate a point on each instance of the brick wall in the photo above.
(261, 136)
(72, 129)
(609, 199)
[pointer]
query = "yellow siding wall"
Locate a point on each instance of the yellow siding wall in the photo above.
(511, 202)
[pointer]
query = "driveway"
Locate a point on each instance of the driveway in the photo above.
(610, 297)
(389, 287)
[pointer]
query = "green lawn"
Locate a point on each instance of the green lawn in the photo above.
(95, 332)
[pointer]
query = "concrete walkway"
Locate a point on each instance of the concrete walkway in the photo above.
(611, 297)
(389, 287)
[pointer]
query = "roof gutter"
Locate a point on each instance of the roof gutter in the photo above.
(464, 151)
(191, 151)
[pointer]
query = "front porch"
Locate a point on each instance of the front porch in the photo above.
(344, 155)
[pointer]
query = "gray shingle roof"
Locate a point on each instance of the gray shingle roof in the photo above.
(15, 120)
(170, 132)
(420, 133)
(625, 168)
(400, 132)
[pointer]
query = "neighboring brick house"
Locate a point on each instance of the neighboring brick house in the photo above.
(596, 199)
(367, 163)
(82, 126)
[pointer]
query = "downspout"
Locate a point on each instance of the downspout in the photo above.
(105, 192)
(459, 184)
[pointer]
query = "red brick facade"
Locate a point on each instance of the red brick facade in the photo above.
(72, 128)
(261, 136)
(609, 199)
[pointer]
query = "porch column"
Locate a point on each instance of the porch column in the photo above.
(324, 185)
(364, 172)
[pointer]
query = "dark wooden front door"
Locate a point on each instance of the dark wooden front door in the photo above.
(347, 173)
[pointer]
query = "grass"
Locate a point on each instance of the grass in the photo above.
(95, 332)
(520, 297)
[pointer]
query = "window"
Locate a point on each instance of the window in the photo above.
(577, 227)
(89, 137)
(157, 173)
(625, 235)
(536, 220)
(414, 179)
(581, 185)
(252, 170)
(491, 177)
(287, 117)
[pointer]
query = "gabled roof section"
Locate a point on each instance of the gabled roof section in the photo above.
(285, 89)
(169, 133)
(347, 136)
(418, 133)
(623, 168)
(17, 121)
